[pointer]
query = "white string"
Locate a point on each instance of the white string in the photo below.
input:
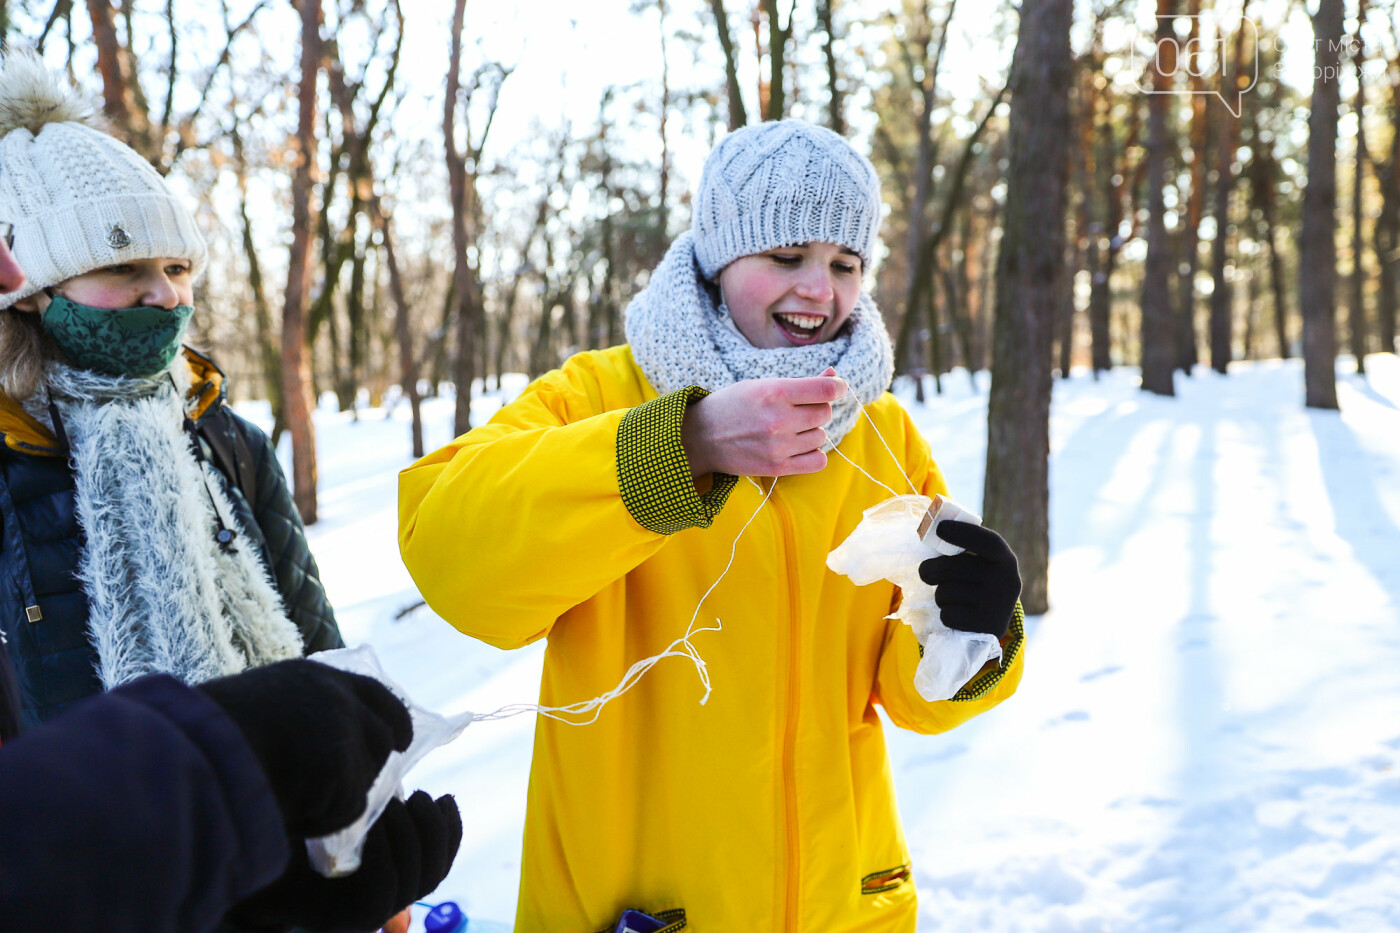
(899, 466)
(682, 647)
(912, 488)
(837, 450)
(636, 671)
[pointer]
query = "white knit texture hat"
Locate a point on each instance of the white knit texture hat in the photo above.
(784, 183)
(79, 199)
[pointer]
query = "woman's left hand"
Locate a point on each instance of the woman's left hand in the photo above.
(977, 589)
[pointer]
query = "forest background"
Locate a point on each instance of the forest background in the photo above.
(408, 200)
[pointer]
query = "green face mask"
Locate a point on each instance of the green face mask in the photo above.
(123, 342)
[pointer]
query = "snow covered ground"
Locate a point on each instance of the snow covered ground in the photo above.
(1208, 734)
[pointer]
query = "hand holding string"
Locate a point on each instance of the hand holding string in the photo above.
(762, 427)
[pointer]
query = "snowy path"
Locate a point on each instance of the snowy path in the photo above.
(1208, 731)
(1208, 734)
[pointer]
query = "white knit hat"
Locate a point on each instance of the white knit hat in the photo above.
(784, 184)
(78, 198)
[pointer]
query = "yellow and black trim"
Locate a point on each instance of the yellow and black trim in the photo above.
(981, 684)
(653, 473)
(878, 882)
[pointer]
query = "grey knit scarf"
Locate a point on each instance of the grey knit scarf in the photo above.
(163, 596)
(681, 337)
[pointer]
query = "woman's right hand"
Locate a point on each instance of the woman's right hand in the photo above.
(761, 427)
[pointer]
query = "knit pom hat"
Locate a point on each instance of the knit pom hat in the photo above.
(784, 183)
(79, 199)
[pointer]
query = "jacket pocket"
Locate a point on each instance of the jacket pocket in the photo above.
(672, 921)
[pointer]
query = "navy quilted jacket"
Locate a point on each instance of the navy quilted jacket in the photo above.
(43, 609)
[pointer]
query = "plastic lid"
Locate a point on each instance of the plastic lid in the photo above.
(446, 917)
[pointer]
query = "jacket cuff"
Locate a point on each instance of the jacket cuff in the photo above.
(653, 473)
(984, 680)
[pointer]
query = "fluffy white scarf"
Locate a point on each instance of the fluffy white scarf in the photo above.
(163, 596)
(679, 337)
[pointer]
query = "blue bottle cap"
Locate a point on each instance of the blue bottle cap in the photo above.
(446, 917)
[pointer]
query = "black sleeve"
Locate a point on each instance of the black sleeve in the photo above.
(140, 809)
(293, 567)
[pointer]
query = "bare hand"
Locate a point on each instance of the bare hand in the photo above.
(399, 922)
(762, 427)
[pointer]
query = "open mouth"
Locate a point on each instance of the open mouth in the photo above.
(800, 328)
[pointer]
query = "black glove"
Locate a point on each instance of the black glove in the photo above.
(321, 735)
(977, 589)
(407, 853)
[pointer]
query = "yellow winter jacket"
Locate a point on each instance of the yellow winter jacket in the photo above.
(572, 516)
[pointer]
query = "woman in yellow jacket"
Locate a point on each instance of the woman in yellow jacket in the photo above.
(598, 508)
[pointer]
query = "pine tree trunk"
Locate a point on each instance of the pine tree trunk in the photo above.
(356, 323)
(1221, 323)
(835, 114)
(737, 116)
(344, 394)
(1221, 300)
(1064, 339)
(1386, 234)
(296, 358)
(935, 335)
(463, 370)
(972, 279)
(918, 282)
(986, 302)
(1317, 253)
(1250, 314)
(1098, 305)
(483, 345)
(403, 333)
(1083, 252)
(1029, 270)
(922, 262)
(1358, 183)
(1186, 353)
(1386, 237)
(1103, 253)
(777, 59)
(121, 93)
(1159, 341)
(1262, 171)
(268, 353)
(955, 297)
(541, 349)
(663, 222)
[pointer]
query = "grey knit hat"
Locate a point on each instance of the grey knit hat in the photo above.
(783, 184)
(78, 198)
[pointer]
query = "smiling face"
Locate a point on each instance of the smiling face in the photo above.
(792, 296)
(157, 283)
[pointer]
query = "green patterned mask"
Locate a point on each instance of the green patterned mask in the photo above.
(123, 342)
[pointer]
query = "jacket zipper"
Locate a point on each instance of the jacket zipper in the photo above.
(791, 862)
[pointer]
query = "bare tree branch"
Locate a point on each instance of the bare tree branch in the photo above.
(61, 9)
